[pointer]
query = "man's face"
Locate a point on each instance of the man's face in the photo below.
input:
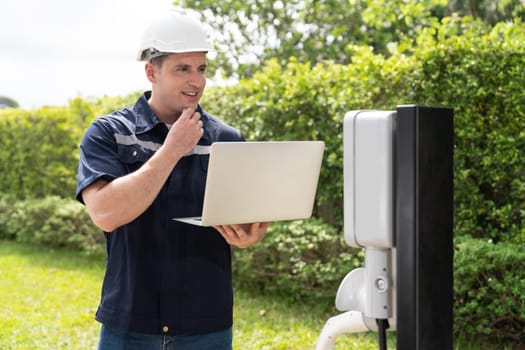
(179, 83)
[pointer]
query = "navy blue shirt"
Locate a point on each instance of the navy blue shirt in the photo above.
(162, 276)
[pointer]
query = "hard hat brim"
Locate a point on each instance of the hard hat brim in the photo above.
(147, 55)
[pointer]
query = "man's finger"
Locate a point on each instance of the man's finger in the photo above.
(187, 113)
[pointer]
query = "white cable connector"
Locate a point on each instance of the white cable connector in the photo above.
(348, 322)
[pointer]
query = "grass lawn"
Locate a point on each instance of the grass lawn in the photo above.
(48, 299)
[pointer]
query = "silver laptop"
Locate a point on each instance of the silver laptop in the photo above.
(260, 182)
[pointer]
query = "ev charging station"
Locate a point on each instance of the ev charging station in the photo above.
(398, 206)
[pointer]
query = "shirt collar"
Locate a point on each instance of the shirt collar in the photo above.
(146, 118)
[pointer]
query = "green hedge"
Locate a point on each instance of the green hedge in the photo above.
(489, 280)
(39, 154)
(482, 77)
(51, 221)
(40, 150)
(300, 260)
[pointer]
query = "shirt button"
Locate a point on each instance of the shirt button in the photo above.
(165, 329)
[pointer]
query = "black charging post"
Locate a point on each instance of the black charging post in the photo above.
(424, 227)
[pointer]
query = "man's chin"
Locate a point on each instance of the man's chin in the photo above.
(192, 106)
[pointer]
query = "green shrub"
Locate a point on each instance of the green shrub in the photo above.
(52, 221)
(7, 203)
(40, 149)
(300, 102)
(305, 259)
(110, 104)
(482, 77)
(489, 281)
(39, 153)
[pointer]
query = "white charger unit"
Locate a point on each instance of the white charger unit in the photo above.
(367, 294)
(368, 178)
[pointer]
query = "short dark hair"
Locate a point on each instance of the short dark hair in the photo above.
(157, 61)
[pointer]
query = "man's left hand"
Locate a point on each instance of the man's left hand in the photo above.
(244, 235)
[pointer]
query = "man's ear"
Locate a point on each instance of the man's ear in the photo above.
(151, 72)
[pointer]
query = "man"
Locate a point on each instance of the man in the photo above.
(167, 284)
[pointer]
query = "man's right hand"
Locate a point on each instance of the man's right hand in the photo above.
(185, 133)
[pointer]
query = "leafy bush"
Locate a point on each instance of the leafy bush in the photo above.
(52, 221)
(7, 204)
(109, 104)
(301, 259)
(39, 152)
(300, 102)
(482, 77)
(489, 281)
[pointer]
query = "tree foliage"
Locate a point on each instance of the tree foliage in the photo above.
(7, 102)
(490, 11)
(250, 32)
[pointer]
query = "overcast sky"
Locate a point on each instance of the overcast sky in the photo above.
(55, 50)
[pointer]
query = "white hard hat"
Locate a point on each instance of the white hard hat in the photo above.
(173, 32)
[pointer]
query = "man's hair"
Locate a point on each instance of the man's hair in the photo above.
(157, 61)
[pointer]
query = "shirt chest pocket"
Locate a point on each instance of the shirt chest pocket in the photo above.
(133, 156)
